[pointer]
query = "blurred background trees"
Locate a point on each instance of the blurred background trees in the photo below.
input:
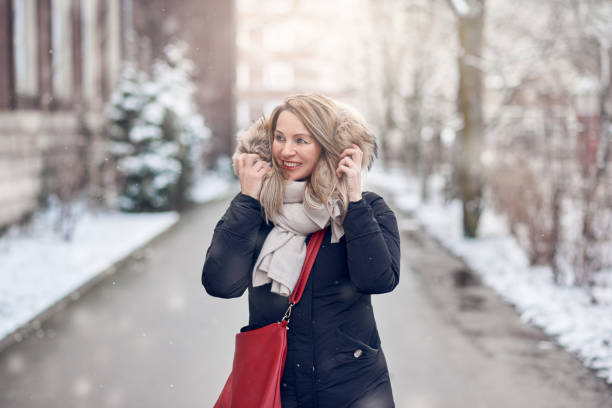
(521, 124)
(156, 134)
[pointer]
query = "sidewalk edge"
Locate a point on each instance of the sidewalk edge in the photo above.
(33, 324)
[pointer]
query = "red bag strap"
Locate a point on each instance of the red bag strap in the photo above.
(311, 253)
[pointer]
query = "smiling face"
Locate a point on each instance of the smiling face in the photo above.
(294, 149)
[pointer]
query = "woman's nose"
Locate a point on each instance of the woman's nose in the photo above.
(288, 149)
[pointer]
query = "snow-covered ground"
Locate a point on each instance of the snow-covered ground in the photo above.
(563, 312)
(211, 186)
(38, 268)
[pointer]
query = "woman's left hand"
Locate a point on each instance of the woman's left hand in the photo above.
(350, 166)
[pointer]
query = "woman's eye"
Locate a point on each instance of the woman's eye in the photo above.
(279, 138)
(303, 141)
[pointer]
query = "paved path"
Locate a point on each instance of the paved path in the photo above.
(452, 342)
(149, 336)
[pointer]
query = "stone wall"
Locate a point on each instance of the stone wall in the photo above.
(50, 153)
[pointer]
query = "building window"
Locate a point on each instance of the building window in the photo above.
(61, 41)
(113, 43)
(269, 106)
(91, 59)
(278, 37)
(25, 45)
(243, 40)
(243, 114)
(243, 77)
(243, 5)
(278, 6)
(278, 76)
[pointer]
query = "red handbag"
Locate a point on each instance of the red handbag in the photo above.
(259, 356)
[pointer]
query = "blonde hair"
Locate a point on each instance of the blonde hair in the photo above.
(334, 127)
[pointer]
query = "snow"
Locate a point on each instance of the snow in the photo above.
(564, 312)
(155, 162)
(142, 132)
(461, 6)
(131, 103)
(586, 84)
(29, 284)
(210, 186)
(157, 130)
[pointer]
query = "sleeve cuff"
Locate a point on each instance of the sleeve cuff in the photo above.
(246, 201)
(356, 204)
(359, 220)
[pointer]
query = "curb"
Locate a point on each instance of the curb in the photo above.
(33, 326)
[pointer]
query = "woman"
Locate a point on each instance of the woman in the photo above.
(310, 179)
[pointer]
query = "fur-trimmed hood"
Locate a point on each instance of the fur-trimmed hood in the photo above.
(351, 129)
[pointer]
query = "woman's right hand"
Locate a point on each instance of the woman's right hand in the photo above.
(251, 172)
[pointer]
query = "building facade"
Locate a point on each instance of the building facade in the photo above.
(291, 46)
(60, 61)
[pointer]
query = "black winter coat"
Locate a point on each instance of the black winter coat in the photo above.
(334, 355)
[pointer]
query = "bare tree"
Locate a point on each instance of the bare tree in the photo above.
(383, 69)
(470, 23)
(410, 85)
(593, 57)
(551, 129)
(429, 80)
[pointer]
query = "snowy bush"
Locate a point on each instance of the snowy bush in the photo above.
(156, 133)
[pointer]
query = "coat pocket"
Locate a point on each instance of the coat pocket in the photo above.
(352, 350)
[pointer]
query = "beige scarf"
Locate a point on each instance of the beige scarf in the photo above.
(284, 250)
